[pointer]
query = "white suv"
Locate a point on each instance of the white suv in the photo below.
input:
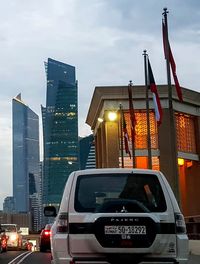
(118, 216)
(14, 236)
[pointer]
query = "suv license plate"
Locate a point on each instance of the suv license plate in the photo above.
(127, 230)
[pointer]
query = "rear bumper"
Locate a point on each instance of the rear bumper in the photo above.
(45, 244)
(132, 260)
(12, 244)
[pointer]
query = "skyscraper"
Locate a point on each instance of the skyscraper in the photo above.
(87, 153)
(60, 129)
(25, 154)
(9, 205)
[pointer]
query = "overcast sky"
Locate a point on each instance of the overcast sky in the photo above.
(103, 39)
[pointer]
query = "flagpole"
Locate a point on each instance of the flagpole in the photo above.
(167, 60)
(121, 136)
(171, 111)
(147, 112)
(132, 127)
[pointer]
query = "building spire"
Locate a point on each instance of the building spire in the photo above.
(19, 97)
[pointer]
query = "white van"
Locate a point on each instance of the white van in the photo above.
(118, 216)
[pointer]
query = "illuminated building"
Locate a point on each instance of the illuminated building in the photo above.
(187, 134)
(60, 129)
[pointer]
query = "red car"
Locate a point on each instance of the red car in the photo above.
(45, 238)
(3, 240)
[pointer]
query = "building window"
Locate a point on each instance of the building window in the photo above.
(141, 130)
(141, 162)
(141, 140)
(185, 131)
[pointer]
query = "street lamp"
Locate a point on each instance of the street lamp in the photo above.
(180, 162)
(100, 119)
(112, 116)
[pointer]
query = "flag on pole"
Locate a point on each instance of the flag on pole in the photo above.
(132, 114)
(170, 57)
(156, 99)
(126, 137)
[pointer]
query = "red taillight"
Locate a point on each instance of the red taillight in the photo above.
(180, 224)
(62, 223)
(47, 232)
(4, 243)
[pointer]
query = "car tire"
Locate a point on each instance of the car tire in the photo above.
(4, 249)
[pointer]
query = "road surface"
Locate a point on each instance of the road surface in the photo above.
(28, 257)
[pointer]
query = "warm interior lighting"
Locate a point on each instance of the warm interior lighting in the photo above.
(112, 116)
(141, 130)
(180, 161)
(189, 163)
(100, 119)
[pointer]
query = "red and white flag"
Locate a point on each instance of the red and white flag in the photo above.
(156, 99)
(166, 46)
(132, 113)
(126, 137)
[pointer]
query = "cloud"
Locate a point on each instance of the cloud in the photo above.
(6, 154)
(103, 39)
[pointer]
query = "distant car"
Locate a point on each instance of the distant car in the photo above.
(45, 238)
(14, 236)
(29, 246)
(3, 240)
(26, 245)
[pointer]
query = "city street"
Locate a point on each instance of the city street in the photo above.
(27, 257)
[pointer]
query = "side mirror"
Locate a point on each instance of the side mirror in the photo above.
(50, 211)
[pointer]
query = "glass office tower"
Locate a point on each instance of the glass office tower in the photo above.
(25, 154)
(87, 153)
(60, 129)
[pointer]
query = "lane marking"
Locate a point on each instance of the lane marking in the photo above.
(24, 257)
(19, 256)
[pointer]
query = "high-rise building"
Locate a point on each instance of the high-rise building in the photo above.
(9, 204)
(60, 129)
(87, 153)
(25, 154)
(40, 195)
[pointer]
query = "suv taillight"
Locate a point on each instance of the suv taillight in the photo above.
(62, 223)
(180, 224)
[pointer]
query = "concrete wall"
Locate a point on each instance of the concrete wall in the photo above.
(22, 220)
(192, 179)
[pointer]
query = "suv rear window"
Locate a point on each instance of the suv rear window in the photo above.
(9, 228)
(119, 193)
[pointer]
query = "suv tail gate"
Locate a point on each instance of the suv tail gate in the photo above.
(120, 212)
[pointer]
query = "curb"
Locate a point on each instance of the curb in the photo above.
(194, 247)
